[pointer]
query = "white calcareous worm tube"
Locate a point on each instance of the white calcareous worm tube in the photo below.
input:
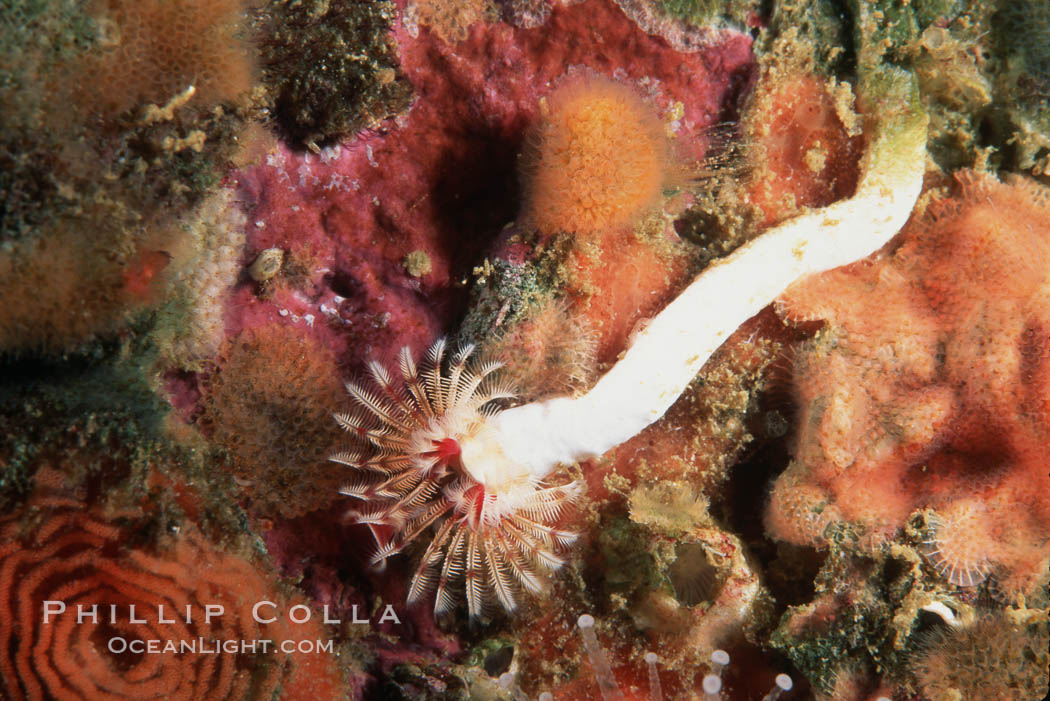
(667, 353)
(719, 660)
(655, 692)
(712, 683)
(712, 686)
(781, 684)
(606, 681)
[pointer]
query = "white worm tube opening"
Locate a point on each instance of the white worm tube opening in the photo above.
(712, 687)
(719, 660)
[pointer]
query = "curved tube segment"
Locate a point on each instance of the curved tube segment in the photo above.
(666, 354)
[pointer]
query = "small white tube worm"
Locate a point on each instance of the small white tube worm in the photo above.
(712, 686)
(719, 660)
(712, 683)
(944, 612)
(655, 692)
(668, 352)
(602, 670)
(781, 684)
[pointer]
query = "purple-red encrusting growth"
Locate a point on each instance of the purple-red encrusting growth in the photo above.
(441, 178)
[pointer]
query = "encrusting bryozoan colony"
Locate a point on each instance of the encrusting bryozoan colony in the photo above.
(437, 453)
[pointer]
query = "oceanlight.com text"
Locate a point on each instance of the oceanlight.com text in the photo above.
(199, 646)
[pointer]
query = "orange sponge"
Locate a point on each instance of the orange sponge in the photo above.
(153, 50)
(597, 160)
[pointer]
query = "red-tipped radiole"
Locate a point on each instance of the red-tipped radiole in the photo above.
(424, 461)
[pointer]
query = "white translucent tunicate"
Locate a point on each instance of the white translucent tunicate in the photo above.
(712, 683)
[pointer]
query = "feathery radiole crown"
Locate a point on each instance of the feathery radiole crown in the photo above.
(426, 457)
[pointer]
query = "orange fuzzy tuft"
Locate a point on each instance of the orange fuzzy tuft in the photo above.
(798, 512)
(452, 19)
(995, 658)
(269, 406)
(63, 290)
(620, 279)
(550, 353)
(598, 159)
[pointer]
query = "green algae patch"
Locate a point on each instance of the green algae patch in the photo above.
(629, 565)
(504, 293)
(845, 631)
(92, 416)
(331, 68)
(704, 12)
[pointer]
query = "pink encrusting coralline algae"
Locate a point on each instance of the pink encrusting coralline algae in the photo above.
(440, 179)
(639, 350)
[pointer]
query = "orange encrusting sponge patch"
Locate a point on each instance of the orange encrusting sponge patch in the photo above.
(802, 155)
(597, 160)
(153, 50)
